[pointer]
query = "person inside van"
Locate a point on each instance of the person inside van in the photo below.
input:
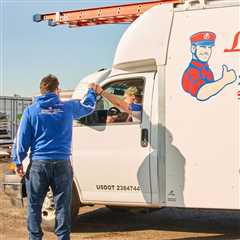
(130, 104)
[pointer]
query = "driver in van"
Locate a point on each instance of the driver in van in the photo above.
(131, 104)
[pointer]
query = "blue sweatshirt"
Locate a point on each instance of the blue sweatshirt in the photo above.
(46, 127)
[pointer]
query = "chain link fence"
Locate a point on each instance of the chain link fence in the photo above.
(11, 109)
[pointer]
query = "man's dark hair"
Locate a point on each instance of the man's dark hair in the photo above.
(49, 84)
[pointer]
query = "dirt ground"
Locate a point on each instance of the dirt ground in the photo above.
(100, 223)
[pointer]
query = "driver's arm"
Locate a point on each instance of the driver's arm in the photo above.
(116, 101)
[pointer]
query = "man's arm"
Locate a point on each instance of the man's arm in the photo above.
(114, 99)
(86, 107)
(22, 142)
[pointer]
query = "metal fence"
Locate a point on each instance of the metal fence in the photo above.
(13, 107)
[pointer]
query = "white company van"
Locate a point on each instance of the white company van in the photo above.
(185, 152)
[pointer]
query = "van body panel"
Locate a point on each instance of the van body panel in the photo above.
(146, 38)
(158, 153)
(202, 137)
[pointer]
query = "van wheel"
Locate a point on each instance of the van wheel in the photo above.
(49, 213)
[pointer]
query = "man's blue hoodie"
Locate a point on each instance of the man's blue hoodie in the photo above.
(46, 127)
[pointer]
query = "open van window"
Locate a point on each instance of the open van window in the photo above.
(107, 113)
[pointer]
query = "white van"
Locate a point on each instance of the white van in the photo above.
(185, 152)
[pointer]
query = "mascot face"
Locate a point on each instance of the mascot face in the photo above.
(202, 53)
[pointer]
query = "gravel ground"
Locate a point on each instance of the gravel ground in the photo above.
(100, 223)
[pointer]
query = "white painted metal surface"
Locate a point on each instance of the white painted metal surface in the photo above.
(203, 158)
(146, 39)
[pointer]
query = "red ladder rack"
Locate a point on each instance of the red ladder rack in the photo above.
(126, 13)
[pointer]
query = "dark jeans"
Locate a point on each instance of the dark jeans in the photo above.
(39, 177)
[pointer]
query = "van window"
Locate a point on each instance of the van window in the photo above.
(128, 90)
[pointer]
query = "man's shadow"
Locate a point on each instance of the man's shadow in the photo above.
(169, 163)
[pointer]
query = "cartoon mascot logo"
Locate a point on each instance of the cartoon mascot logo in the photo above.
(198, 78)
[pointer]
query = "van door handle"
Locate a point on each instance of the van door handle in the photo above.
(144, 137)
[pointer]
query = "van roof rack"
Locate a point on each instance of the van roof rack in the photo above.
(125, 13)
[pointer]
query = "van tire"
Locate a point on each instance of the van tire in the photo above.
(48, 210)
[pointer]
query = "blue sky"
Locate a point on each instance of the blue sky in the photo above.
(29, 50)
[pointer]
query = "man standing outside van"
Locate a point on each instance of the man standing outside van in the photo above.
(46, 128)
(198, 78)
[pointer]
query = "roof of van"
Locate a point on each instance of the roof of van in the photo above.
(144, 31)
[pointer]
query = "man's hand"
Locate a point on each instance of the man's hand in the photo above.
(19, 170)
(93, 86)
(96, 88)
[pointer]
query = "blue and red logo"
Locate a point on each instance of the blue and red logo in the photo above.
(198, 78)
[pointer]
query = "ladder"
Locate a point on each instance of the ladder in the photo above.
(126, 13)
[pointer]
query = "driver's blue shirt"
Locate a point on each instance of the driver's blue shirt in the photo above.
(136, 109)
